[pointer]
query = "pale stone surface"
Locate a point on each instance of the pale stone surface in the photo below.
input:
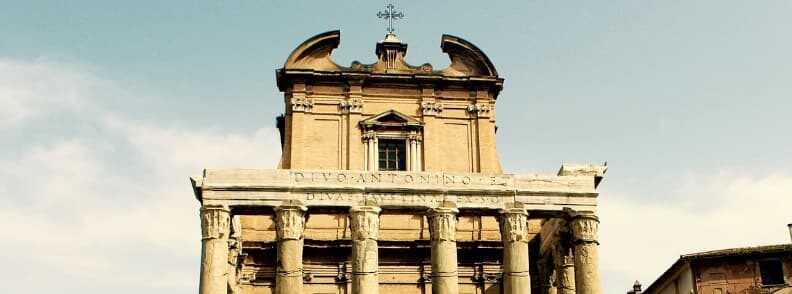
(584, 233)
(215, 229)
(365, 260)
(514, 231)
(338, 188)
(442, 224)
(290, 223)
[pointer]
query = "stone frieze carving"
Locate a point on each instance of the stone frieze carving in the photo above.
(370, 135)
(290, 222)
(364, 222)
(513, 225)
(480, 110)
(584, 228)
(351, 106)
(214, 222)
(442, 223)
(431, 108)
(302, 104)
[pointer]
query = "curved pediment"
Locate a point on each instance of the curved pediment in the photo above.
(315, 53)
(466, 58)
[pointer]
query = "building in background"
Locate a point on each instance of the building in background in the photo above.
(390, 182)
(749, 270)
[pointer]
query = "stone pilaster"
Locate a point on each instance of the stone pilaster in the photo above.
(214, 254)
(290, 224)
(364, 225)
(584, 239)
(442, 231)
(514, 234)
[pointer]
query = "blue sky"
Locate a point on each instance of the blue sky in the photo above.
(111, 105)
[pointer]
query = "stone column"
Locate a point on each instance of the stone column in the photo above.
(514, 231)
(214, 253)
(418, 151)
(442, 230)
(290, 224)
(365, 259)
(584, 239)
(375, 154)
(565, 279)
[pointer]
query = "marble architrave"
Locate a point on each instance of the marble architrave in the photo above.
(418, 190)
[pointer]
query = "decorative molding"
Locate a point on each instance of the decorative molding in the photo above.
(431, 108)
(513, 225)
(369, 135)
(290, 222)
(415, 137)
(442, 223)
(479, 110)
(364, 222)
(584, 228)
(214, 222)
(302, 104)
(351, 106)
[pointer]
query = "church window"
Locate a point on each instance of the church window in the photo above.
(392, 155)
(772, 272)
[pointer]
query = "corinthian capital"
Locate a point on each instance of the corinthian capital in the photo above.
(584, 228)
(214, 222)
(364, 222)
(299, 104)
(290, 222)
(514, 225)
(442, 223)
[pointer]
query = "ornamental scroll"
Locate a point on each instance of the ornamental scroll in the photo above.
(442, 223)
(214, 222)
(290, 222)
(513, 225)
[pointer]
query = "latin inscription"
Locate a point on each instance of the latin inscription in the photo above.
(404, 199)
(398, 178)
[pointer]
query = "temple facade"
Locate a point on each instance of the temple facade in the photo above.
(390, 182)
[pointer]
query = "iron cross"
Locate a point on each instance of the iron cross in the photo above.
(390, 15)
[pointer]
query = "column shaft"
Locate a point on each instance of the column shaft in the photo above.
(584, 233)
(290, 225)
(513, 225)
(364, 225)
(214, 255)
(442, 224)
(565, 272)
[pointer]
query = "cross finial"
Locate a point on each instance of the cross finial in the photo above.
(390, 14)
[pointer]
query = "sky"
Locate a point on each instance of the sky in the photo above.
(109, 107)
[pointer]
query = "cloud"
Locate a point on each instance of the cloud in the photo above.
(721, 210)
(112, 210)
(41, 86)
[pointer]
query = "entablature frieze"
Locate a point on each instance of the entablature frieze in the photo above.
(398, 190)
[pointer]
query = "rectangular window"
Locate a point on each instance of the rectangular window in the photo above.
(392, 154)
(772, 272)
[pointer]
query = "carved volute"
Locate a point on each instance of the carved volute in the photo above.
(514, 225)
(290, 222)
(215, 222)
(584, 228)
(364, 222)
(442, 223)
